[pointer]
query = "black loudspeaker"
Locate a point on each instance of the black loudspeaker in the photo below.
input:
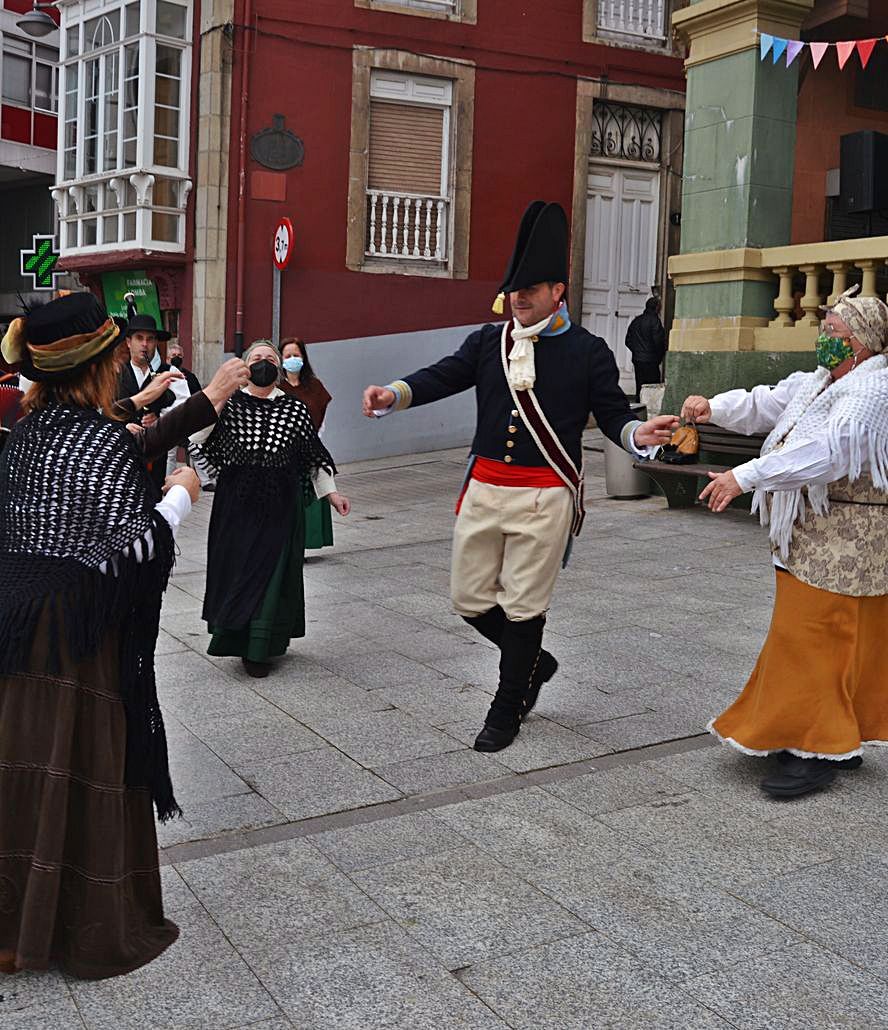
(863, 177)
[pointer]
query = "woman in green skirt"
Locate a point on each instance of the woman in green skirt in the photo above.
(299, 380)
(269, 465)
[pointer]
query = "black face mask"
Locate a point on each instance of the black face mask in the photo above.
(176, 362)
(264, 372)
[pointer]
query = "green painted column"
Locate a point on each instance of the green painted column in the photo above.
(740, 131)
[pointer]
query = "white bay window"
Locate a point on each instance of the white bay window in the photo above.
(122, 179)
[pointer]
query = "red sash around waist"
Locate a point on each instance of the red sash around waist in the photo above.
(498, 473)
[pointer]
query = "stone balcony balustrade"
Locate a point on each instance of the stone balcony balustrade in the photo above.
(827, 270)
(406, 226)
(645, 18)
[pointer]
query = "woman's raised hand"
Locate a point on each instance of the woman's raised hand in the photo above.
(233, 375)
(696, 409)
(184, 476)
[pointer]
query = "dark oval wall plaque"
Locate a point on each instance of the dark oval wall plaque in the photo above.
(277, 147)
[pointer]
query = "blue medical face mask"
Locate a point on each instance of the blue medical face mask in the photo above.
(293, 365)
(155, 362)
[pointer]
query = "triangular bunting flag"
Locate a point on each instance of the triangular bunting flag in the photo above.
(817, 52)
(865, 49)
(793, 49)
(779, 48)
(766, 43)
(845, 51)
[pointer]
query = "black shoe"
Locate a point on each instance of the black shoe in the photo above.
(798, 776)
(209, 488)
(491, 739)
(258, 670)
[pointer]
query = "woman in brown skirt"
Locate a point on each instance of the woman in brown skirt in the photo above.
(86, 547)
(819, 690)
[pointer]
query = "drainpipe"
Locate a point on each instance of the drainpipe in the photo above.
(242, 184)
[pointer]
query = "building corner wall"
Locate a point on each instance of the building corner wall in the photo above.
(211, 189)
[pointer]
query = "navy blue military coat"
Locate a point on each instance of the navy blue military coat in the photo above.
(575, 374)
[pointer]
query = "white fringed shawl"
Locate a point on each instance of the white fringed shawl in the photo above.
(856, 404)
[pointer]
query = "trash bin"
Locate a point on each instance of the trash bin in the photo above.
(621, 480)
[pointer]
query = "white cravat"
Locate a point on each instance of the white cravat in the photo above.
(522, 367)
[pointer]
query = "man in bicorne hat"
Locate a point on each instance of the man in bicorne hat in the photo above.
(537, 378)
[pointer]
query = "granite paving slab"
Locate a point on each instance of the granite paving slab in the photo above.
(585, 982)
(216, 817)
(377, 738)
(463, 906)
(390, 840)
(370, 978)
(833, 904)
(610, 790)
(539, 745)
(277, 892)
(34, 1001)
(795, 988)
(530, 831)
(667, 915)
(316, 783)
(437, 772)
(239, 742)
(199, 983)
(720, 843)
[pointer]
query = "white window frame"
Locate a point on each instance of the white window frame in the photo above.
(126, 191)
(20, 41)
(423, 91)
(448, 7)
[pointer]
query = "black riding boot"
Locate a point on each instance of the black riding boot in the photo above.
(520, 646)
(490, 625)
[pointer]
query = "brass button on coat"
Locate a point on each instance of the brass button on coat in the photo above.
(513, 429)
(510, 443)
(508, 458)
(514, 413)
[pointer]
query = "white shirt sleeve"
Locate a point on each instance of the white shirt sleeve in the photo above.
(798, 464)
(323, 483)
(757, 410)
(174, 507)
(202, 435)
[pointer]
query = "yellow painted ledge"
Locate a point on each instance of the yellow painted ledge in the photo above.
(742, 333)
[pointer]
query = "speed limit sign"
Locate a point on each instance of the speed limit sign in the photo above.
(283, 243)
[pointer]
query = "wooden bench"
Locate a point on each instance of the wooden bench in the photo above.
(681, 484)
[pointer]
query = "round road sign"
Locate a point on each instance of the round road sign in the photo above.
(283, 243)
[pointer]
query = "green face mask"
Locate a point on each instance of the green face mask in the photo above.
(832, 351)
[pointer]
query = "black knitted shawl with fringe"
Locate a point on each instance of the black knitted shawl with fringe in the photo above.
(264, 452)
(75, 497)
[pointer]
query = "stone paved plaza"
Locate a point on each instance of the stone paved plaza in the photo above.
(347, 861)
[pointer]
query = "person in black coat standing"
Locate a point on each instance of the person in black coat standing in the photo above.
(537, 377)
(646, 342)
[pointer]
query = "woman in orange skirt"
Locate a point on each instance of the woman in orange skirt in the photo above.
(819, 690)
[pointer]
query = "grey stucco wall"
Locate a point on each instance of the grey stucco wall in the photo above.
(347, 366)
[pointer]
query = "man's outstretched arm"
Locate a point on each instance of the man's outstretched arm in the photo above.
(450, 375)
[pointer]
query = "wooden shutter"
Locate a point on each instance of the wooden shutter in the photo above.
(406, 143)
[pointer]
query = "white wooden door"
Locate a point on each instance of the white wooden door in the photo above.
(622, 211)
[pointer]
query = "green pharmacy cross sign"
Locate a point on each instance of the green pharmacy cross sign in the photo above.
(40, 262)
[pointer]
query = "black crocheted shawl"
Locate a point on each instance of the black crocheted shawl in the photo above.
(264, 453)
(76, 513)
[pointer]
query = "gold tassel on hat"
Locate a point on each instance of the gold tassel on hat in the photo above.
(498, 306)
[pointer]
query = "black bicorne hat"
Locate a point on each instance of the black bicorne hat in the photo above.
(540, 253)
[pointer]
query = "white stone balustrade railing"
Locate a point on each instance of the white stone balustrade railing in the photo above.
(645, 18)
(833, 263)
(825, 269)
(406, 226)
